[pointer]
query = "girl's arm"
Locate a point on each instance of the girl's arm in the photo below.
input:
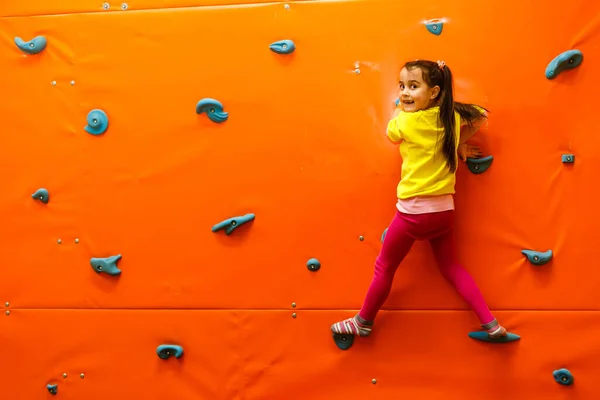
(467, 131)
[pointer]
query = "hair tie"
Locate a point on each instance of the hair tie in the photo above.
(441, 65)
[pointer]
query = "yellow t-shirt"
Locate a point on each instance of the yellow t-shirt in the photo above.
(424, 169)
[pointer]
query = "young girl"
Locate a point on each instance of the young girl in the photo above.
(431, 128)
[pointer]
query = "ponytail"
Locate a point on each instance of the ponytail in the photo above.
(447, 119)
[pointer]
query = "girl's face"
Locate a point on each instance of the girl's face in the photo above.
(414, 93)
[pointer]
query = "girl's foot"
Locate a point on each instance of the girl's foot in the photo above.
(352, 326)
(495, 330)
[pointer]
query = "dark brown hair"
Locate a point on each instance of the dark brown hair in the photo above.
(434, 74)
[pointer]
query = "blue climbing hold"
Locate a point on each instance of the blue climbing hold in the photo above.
(564, 61)
(108, 265)
(383, 234)
(435, 26)
(283, 47)
(343, 341)
(313, 264)
(34, 46)
(213, 108)
(479, 165)
(165, 351)
(97, 122)
(231, 224)
(563, 376)
(568, 158)
(41, 195)
(397, 102)
(538, 257)
(484, 337)
(53, 389)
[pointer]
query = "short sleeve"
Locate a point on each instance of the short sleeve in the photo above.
(404, 123)
(463, 122)
(393, 131)
(481, 110)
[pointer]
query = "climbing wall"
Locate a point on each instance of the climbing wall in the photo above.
(193, 192)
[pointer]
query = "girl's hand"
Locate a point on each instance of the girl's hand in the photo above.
(468, 151)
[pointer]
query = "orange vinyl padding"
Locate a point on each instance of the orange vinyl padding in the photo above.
(304, 150)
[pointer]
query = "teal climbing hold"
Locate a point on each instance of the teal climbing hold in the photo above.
(397, 102)
(107, 265)
(564, 61)
(484, 337)
(568, 158)
(165, 351)
(479, 165)
(383, 234)
(213, 108)
(53, 389)
(435, 26)
(97, 122)
(538, 257)
(313, 264)
(41, 195)
(563, 376)
(343, 341)
(230, 224)
(283, 47)
(34, 46)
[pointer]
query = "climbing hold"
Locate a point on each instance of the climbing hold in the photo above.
(537, 257)
(479, 165)
(383, 234)
(97, 122)
(165, 351)
(564, 61)
(563, 376)
(343, 341)
(484, 337)
(53, 389)
(212, 108)
(313, 264)
(435, 26)
(107, 265)
(34, 46)
(232, 223)
(568, 158)
(397, 102)
(283, 47)
(41, 195)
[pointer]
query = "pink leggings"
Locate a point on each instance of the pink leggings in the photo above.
(401, 234)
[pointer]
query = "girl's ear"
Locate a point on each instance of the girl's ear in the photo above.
(435, 91)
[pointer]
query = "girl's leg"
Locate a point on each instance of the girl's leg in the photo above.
(443, 250)
(396, 246)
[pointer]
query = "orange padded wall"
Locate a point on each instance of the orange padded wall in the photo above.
(304, 150)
